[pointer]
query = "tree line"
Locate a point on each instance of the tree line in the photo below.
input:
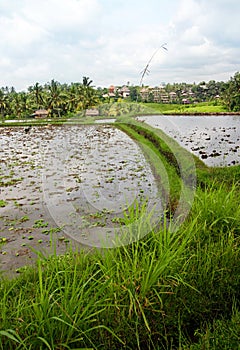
(63, 99)
(58, 99)
(227, 93)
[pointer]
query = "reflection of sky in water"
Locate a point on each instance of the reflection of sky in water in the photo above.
(101, 172)
(83, 176)
(215, 139)
(101, 165)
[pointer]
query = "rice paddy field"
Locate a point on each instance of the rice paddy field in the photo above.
(71, 181)
(214, 139)
(114, 236)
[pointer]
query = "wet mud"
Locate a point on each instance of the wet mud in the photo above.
(66, 185)
(214, 139)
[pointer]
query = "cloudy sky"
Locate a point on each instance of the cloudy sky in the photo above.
(111, 41)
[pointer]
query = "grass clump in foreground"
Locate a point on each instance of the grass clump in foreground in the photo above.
(170, 290)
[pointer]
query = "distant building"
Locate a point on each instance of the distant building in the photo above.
(93, 112)
(124, 92)
(40, 113)
(144, 93)
(173, 96)
(111, 89)
(109, 95)
(111, 92)
(156, 93)
(164, 98)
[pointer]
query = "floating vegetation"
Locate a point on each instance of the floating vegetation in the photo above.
(3, 240)
(67, 181)
(40, 223)
(24, 218)
(51, 230)
(2, 203)
(11, 182)
(205, 136)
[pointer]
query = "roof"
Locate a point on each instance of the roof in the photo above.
(92, 112)
(124, 89)
(41, 111)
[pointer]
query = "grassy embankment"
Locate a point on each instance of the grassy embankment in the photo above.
(199, 108)
(115, 109)
(174, 289)
(44, 122)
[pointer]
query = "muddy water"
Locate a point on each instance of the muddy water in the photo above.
(67, 184)
(214, 139)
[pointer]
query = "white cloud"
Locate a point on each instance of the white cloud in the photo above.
(112, 41)
(192, 36)
(188, 11)
(16, 32)
(60, 15)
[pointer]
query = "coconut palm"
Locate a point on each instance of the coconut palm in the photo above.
(89, 94)
(74, 96)
(54, 97)
(19, 104)
(37, 94)
(86, 81)
(3, 104)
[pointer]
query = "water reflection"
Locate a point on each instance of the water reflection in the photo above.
(84, 177)
(214, 139)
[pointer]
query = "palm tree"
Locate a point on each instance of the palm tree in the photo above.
(20, 104)
(57, 98)
(86, 81)
(3, 104)
(74, 97)
(89, 95)
(36, 92)
(54, 97)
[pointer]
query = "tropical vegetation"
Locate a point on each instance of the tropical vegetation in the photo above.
(61, 100)
(58, 99)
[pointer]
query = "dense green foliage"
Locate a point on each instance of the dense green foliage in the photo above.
(200, 108)
(58, 99)
(62, 100)
(232, 93)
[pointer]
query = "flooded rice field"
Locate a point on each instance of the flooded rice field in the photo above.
(214, 139)
(67, 184)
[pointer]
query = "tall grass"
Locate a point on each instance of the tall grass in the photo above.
(214, 268)
(170, 290)
(88, 300)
